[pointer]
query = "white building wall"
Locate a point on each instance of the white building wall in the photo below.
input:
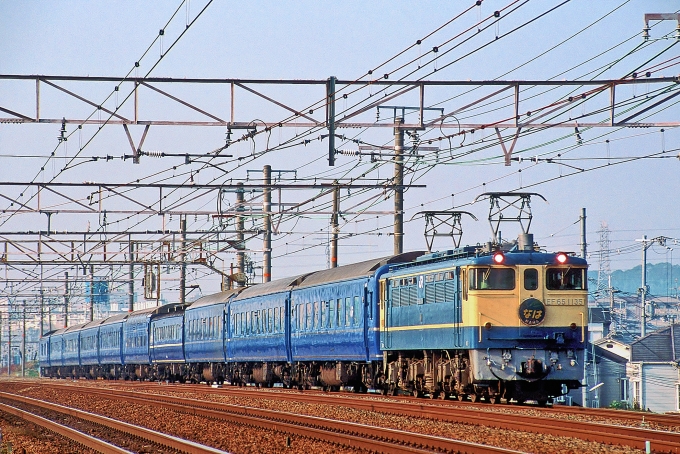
(659, 387)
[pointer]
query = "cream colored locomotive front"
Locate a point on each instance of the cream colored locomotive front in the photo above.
(531, 330)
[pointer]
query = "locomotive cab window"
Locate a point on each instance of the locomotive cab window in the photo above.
(530, 279)
(565, 279)
(492, 278)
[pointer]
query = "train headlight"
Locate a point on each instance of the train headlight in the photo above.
(572, 326)
(561, 258)
(487, 325)
(498, 257)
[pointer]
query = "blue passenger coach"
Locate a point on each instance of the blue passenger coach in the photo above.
(111, 346)
(334, 324)
(166, 343)
(137, 337)
(205, 337)
(89, 347)
(258, 347)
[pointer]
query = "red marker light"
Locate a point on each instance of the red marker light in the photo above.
(498, 257)
(561, 257)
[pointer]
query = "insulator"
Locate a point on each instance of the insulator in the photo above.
(349, 152)
(155, 154)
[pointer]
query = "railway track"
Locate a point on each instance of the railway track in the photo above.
(635, 437)
(351, 435)
(173, 444)
(77, 436)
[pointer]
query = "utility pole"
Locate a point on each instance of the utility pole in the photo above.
(66, 298)
(42, 303)
(91, 292)
(240, 239)
(335, 227)
(23, 342)
(9, 339)
(399, 188)
(131, 275)
(267, 208)
(643, 289)
(583, 233)
(646, 244)
(183, 260)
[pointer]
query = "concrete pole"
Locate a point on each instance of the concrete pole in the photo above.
(91, 292)
(66, 298)
(335, 226)
(23, 341)
(240, 227)
(42, 303)
(643, 290)
(182, 259)
(266, 209)
(399, 189)
(9, 340)
(131, 276)
(584, 248)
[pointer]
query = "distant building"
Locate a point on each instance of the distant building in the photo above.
(653, 370)
(98, 290)
(611, 358)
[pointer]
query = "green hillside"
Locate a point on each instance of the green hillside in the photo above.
(661, 278)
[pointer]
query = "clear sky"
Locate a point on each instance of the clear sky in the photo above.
(531, 40)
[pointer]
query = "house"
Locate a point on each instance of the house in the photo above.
(611, 357)
(653, 370)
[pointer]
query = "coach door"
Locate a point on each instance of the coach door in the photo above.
(385, 340)
(460, 296)
(288, 325)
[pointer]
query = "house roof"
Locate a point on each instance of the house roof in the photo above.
(659, 346)
(613, 349)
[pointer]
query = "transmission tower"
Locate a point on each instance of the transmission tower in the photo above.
(604, 271)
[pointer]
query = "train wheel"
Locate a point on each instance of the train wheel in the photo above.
(460, 397)
(442, 395)
(474, 397)
(495, 399)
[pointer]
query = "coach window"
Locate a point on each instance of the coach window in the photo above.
(357, 310)
(530, 279)
(315, 315)
(348, 311)
(331, 314)
(324, 315)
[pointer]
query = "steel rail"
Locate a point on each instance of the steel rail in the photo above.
(589, 431)
(345, 433)
(136, 431)
(65, 431)
(641, 418)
